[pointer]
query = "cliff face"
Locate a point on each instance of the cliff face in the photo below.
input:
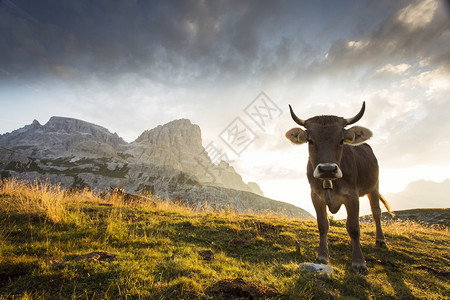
(168, 160)
(177, 144)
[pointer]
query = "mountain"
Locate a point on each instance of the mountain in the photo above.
(57, 136)
(422, 194)
(168, 161)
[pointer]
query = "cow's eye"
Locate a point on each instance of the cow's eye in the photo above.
(310, 142)
(341, 142)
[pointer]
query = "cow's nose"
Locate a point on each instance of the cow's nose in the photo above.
(328, 168)
(327, 171)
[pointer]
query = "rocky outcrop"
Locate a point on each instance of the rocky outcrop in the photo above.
(7, 156)
(168, 160)
(254, 188)
(91, 149)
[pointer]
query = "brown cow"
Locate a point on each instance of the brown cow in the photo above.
(341, 168)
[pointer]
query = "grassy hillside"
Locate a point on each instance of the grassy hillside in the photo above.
(168, 251)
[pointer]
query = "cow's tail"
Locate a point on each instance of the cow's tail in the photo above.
(386, 204)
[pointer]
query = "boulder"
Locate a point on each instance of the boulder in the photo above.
(317, 268)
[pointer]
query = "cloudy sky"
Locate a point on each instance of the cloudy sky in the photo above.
(130, 65)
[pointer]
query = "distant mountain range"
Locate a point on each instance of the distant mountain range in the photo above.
(168, 161)
(422, 194)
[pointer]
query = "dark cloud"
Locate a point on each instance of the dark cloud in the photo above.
(177, 42)
(419, 30)
(155, 38)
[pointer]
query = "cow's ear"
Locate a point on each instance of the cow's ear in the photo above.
(357, 135)
(296, 135)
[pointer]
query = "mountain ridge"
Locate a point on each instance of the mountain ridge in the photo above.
(56, 136)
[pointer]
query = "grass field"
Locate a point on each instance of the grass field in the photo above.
(168, 251)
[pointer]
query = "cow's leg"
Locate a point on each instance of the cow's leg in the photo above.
(358, 261)
(322, 224)
(374, 198)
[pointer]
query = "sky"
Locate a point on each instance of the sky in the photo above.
(234, 66)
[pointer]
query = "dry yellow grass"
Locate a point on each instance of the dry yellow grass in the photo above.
(52, 202)
(38, 198)
(42, 199)
(158, 249)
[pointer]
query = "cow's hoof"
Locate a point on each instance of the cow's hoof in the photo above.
(360, 269)
(321, 260)
(381, 244)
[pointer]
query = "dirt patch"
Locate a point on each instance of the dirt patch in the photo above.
(207, 255)
(240, 288)
(382, 262)
(436, 271)
(264, 227)
(57, 264)
(241, 243)
(432, 270)
(100, 256)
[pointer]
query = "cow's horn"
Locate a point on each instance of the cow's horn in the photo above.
(295, 118)
(358, 116)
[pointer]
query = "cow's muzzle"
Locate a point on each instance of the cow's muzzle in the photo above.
(327, 171)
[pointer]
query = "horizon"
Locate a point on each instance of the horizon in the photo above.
(365, 208)
(235, 66)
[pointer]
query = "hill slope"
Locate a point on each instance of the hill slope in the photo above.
(55, 244)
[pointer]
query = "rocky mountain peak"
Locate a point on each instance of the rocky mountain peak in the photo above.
(178, 133)
(75, 126)
(71, 125)
(177, 144)
(58, 135)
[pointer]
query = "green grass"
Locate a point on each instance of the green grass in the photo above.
(158, 252)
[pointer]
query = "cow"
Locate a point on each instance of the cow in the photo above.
(341, 168)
